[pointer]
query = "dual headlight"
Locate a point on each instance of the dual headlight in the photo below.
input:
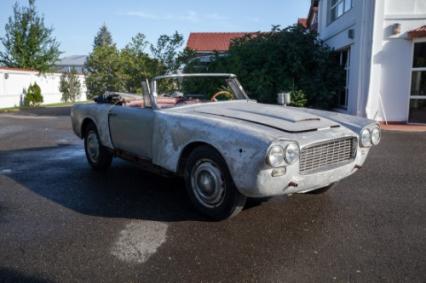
(370, 136)
(279, 156)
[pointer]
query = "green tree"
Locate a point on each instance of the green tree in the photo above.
(103, 71)
(103, 66)
(33, 96)
(137, 65)
(70, 86)
(167, 52)
(28, 43)
(103, 37)
(282, 60)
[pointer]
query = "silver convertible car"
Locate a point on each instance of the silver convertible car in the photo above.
(227, 147)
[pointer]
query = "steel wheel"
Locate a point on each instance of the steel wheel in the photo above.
(210, 186)
(208, 183)
(97, 155)
(93, 146)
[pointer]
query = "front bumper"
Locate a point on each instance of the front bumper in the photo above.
(264, 185)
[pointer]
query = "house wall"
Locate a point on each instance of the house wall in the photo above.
(392, 57)
(13, 82)
(359, 19)
(380, 72)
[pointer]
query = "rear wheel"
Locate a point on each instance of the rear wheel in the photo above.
(210, 186)
(97, 155)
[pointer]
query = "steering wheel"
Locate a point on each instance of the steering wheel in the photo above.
(222, 92)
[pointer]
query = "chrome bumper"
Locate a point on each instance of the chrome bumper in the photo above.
(293, 182)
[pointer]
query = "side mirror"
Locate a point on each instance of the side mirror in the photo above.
(283, 98)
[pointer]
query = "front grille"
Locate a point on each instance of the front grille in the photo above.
(324, 155)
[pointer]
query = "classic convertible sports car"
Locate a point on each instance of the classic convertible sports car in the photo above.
(226, 146)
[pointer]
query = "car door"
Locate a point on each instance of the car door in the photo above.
(131, 130)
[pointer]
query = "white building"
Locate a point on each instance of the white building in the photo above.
(13, 82)
(66, 64)
(382, 44)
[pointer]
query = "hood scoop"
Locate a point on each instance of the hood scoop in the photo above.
(283, 119)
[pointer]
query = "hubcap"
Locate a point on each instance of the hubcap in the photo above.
(207, 183)
(92, 146)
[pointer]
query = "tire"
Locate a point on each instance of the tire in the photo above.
(322, 190)
(210, 186)
(97, 155)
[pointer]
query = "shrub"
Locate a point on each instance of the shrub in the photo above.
(280, 61)
(298, 98)
(32, 96)
(70, 86)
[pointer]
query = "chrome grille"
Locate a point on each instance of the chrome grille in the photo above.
(324, 155)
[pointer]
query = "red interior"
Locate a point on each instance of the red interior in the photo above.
(162, 102)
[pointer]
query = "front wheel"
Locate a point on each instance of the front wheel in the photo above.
(97, 155)
(210, 185)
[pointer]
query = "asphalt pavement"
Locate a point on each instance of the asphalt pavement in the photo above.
(62, 222)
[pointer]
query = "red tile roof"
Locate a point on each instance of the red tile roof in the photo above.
(302, 22)
(212, 41)
(418, 32)
(17, 69)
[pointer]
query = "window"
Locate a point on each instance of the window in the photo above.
(342, 58)
(337, 8)
(419, 58)
(418, 85)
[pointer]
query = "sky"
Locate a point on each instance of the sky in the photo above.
(76, 22)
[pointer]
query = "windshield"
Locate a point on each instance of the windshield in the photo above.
(183, 90)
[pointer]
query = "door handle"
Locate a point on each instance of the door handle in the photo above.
(112, 114)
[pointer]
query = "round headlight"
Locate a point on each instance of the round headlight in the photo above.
(292, 153)
(275, 156)
(375, 136)
(366, 137)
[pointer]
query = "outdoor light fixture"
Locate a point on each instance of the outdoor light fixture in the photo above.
(6, 76)
(284, 98)
(396, 28)
(351, 33)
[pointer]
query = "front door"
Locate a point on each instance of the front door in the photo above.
(131, 130)
(418, 85)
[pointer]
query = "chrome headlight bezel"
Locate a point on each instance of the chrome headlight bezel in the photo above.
(376, 135)
(365, 138)
(275, 156)
(282, 155)
(292, 153)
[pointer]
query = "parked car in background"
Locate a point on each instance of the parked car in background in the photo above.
(204, 128)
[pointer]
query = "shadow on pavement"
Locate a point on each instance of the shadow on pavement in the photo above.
(61, 174)
(9, 275)
(47, 111)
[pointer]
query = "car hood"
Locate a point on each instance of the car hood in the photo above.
(291, 120)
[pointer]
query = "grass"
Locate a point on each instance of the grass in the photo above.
(59, 104)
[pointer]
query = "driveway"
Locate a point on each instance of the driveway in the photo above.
(60, 221)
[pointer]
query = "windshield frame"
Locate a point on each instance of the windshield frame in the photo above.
(238, 91)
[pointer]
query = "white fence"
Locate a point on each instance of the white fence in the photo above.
(14, 81)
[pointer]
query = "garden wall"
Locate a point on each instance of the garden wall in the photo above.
(14, 81)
